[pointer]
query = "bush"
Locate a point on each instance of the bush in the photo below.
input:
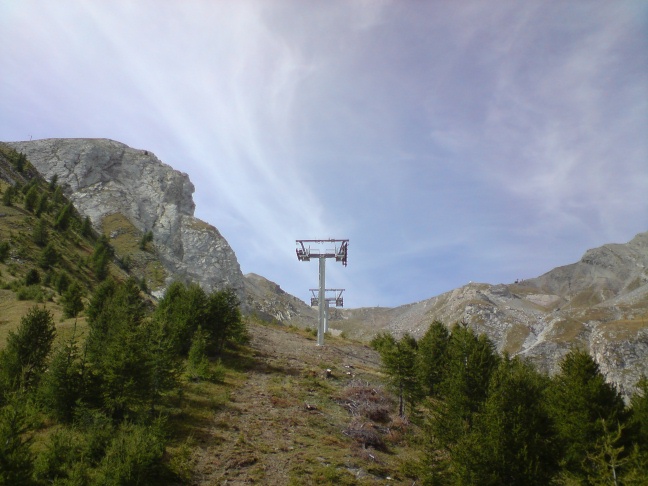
(146, 238)
(133, 457)
(32, 292)
(32, 277)
(4, 251)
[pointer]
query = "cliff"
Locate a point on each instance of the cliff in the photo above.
(104, 179)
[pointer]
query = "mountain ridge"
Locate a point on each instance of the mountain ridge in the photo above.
(599, 303)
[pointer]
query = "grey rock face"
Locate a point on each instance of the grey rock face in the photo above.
(599, 304)
(102, 177)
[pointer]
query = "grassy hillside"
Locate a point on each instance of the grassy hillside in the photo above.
(281, 410)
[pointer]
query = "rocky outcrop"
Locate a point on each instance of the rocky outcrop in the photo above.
(270, 302)
(103, 177)
(599, 304)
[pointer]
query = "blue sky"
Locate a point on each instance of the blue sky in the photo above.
(448, 141)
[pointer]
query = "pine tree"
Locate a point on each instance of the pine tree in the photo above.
(101, 257)
(41, 204)
(63, 217)
(197, 362)
(512, 439)
(32, 277)
(462, 393)
(432, 358)
(86, 227)
(8, 196)
(222, 320)
(580, 402)
(180, 311)
(146, 238)
(61, 387)
(4, 251)
(399, 362)
(53, 181)
(48, 257)
(39, 233)
(116, 349)
(72, 300)
(162, 363)
(24, 358)
(15, 456)
(31, 198)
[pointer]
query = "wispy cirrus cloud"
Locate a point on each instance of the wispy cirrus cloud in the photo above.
(451, 141)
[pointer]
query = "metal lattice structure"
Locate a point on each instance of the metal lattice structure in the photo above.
(335, 299)
(304, 254)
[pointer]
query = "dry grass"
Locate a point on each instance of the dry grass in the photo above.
(288, 421)
(515, 338)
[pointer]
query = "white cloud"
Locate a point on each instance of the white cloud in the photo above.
(423, 131)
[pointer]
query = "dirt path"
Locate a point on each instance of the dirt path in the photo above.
(285, 424)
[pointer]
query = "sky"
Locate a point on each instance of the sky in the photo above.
(449, 141)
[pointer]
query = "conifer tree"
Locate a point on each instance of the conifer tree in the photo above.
(63, 217)
(72, 300)
(197, 362)
(432, 358)
(86, 227)
(399, 362)
(462, 393)
(31, 198)
(48, 257)
(24, 357)
(580, 402)
(222, 321)
(181, 310)
(39, 233)
(15, 456)
(162, 362)
(61, 387)
(512, 439)
(4, 251)
(8, 196)
(53, 181)
(41, 204)
(116, 349)
(101, 257)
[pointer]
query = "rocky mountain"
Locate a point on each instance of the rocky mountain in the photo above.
(127, 189)
(599, 303)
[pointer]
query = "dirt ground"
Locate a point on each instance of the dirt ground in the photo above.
(292, 419)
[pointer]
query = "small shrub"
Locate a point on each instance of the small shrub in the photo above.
(146, 238)
(32, 277)
(134, 456)
(4, 251)
(52, 183)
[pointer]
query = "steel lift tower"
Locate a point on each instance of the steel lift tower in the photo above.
(305, 253)
(335, 299)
